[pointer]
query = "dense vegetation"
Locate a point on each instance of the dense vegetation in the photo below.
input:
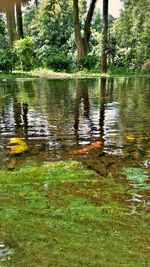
(67, 36)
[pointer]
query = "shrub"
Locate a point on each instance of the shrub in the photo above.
(7, 59)
(59, 61)
(88, 62)
(24, 50)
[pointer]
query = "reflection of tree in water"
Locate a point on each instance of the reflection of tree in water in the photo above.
(14, 112)
(82, 96)
(102, 107)
(20, 110)
(134, 115)
(25, 119)
(95, 135)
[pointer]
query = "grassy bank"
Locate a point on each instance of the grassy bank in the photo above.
(46, 73)
(15, 75)
(61, 214)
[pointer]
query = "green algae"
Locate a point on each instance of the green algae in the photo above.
(138, 175)
(62, 214)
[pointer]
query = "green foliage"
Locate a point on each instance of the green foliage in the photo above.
(6, 55)
(58, 61)
(24, 50)
(7, 59)
(51, 29)
(132, 34)
(138, 175)
(88, 62)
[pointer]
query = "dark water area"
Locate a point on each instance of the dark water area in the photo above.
(57, 118)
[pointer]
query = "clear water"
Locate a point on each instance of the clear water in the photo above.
(57, 117)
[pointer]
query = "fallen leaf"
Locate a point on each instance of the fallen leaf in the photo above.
(18, 146)
(130, 137)
(81, 151)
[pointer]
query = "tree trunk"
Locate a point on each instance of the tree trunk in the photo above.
(19, 20)
(87, 26)
(36, 2)
(77, 30)
(11, 25)
(104, 37)
(82, 43)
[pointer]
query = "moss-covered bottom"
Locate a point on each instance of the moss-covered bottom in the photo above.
(61, 214)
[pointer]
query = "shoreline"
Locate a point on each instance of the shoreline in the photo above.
(51, 75)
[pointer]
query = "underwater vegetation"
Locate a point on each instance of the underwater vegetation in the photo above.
(61, 213)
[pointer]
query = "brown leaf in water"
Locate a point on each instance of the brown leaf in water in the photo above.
(81, 151)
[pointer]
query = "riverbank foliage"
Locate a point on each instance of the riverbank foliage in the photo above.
(49, 39)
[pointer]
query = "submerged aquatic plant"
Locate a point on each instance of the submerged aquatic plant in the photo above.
(138, 175)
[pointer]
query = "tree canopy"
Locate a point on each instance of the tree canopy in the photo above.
(68, 35)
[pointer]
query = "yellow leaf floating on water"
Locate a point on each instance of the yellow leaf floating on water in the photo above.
(130, 137)
(18, 146)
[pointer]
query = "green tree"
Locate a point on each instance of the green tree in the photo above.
(132, 33)
(51, 29)
(82, 40)
(24, 50)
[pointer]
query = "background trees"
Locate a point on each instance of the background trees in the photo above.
(132, 33)
(67, 35)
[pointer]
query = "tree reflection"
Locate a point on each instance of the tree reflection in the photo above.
(25, 119)
(102, 107)
(95, 134)
(106, 94)
(20, 111)
(81, 96)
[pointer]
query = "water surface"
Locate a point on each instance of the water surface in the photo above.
(58, 117)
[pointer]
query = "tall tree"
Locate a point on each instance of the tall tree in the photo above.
(19, 20)
(51, 28)
(82, 42)
(11, 7)
(3, 40)
(18, 4)
(104, 37)
(11, 23)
